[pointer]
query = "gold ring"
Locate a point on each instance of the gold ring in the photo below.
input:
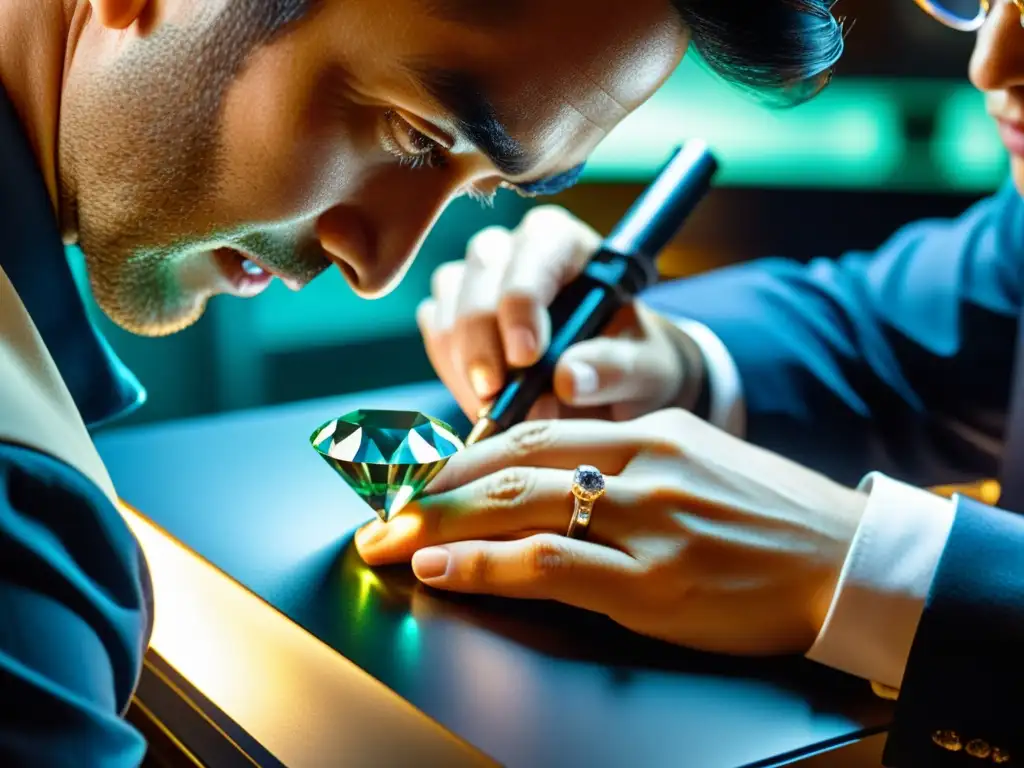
(587, 487)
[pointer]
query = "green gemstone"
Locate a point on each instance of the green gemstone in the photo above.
(386, 457)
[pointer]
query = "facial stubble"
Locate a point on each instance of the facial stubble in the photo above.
(141, 158)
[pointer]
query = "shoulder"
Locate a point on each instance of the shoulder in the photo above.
(72, 547)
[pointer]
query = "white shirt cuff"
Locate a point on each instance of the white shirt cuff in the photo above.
(728, 410)
(884, 583)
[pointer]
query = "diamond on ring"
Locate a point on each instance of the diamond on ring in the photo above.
(587, 487)
(587, 483)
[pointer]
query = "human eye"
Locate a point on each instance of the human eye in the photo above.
(411, 146)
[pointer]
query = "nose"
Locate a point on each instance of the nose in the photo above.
(375, 238)
(998, 59)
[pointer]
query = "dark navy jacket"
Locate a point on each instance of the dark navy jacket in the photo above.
(901, 360)
(74, 594)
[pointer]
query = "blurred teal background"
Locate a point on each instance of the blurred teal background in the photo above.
(899, 134)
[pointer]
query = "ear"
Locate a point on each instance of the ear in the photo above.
(117, 14)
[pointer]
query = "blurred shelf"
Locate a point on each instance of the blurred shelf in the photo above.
(907, 134)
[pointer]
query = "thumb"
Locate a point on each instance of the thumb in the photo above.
(609, 370)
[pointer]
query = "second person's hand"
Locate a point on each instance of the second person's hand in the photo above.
(489, 313)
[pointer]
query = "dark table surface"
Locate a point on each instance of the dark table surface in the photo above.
(526, 683)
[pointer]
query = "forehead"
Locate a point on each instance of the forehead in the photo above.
(543, 65)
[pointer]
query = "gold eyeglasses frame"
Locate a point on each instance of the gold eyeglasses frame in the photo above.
(942, 15)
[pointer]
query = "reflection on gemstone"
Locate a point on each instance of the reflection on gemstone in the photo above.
(387, 457)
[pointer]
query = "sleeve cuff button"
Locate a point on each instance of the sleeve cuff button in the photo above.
(949, 740)
(978, 748)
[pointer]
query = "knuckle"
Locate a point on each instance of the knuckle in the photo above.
(664, 448)
(433, 526)
(486, 245)
(446, 275)
(677, 415)
(666, 420)
(509, 487)
(555, 221)
(660, 586)
(471, 318)
(520, 299)
(529, 437)
(476, 567)
(547, 555)
(546, 217)
(425, 312)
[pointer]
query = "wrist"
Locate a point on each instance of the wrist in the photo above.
(849, 506)
(693, 393)
(885, 580)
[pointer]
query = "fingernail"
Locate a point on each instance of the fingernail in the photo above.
(372, 534)
(584, 379)
(483, 381)
(430, 563)
(522, 346)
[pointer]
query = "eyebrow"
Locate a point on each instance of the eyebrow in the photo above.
(476, 119)
(477, 13)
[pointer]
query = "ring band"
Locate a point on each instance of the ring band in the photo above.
(587, 487)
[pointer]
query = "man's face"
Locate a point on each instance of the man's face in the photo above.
(997, 68)
(200, 136)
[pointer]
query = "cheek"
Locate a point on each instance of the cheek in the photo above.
(283, 155)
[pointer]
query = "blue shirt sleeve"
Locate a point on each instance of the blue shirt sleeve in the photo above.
(898, 360)
(75, 617)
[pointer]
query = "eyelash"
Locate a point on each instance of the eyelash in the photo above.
(432, 154)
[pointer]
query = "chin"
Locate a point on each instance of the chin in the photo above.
(155, 324)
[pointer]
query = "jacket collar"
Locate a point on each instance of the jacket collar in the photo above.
(33, 256)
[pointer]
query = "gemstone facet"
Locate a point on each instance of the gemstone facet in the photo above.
(386, 457)
(588, 483)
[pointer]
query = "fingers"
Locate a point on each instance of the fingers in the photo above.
(435, 317)
(541, 567)
(506, 504)
(445, 287)
(560, 444)
(489, 312)
(636, 370)
(605, 371)
(476, 342)
(551, 248)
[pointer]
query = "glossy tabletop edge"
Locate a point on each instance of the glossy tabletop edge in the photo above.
(295, 695)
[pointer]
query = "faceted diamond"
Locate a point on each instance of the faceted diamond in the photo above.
(588, 482)
(386, 457)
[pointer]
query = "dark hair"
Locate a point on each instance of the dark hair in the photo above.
(784, 50)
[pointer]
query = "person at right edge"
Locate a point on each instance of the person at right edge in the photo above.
(890, 371)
